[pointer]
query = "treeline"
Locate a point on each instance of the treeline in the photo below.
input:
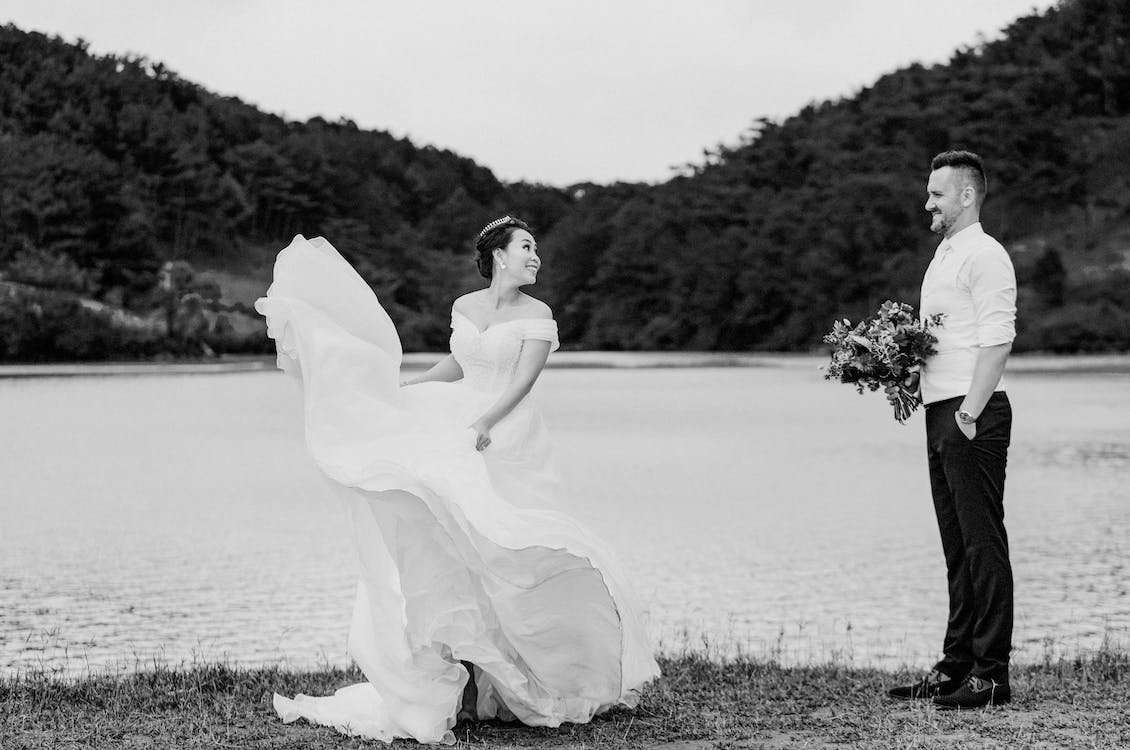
(117, 176)
(113, 167)
(822, 214)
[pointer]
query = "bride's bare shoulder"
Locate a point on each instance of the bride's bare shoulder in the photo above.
(467, 302)
(535, 308)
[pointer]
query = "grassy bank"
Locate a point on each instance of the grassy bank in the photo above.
(698, 702)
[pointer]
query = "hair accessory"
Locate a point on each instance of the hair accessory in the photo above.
(493, 224)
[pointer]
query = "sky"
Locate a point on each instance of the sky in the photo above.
(549, 91)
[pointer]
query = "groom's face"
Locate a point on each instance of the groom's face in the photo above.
(944, 199)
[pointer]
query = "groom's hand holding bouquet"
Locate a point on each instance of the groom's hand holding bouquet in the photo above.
(884, 351)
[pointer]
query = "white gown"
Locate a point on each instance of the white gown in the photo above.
(465, 556)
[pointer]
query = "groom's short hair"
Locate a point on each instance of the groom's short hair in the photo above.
(969, 165)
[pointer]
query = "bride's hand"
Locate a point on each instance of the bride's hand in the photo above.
(482, 435)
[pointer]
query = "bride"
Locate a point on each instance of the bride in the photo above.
(478, 596)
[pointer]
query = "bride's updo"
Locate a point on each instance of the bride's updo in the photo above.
(495, 235)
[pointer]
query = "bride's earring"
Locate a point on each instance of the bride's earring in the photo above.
(504, 265)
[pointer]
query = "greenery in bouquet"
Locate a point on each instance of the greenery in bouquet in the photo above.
(882, 351)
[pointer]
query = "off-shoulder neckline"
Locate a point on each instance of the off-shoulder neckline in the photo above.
(496, 325)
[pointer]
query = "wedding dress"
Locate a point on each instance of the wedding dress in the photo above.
(464, 556)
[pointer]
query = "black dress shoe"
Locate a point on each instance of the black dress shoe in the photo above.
(975, 692)
(934, 684)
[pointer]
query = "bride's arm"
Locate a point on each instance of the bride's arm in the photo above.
(530, 364)
(446, 370)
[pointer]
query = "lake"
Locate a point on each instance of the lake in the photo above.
(161, 518)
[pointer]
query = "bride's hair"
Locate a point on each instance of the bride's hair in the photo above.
(495, 235)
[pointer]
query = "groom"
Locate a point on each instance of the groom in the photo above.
(968, 425)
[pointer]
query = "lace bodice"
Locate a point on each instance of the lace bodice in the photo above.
(489, 358)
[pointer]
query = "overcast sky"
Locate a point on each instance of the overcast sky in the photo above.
(553, 91)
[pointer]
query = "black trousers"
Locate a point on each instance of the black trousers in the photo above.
(967, 482)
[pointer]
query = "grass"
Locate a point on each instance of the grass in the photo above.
(698, 703)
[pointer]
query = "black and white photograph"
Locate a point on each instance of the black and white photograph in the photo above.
(595, 374)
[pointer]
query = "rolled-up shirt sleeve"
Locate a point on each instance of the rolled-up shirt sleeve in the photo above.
(992, 287)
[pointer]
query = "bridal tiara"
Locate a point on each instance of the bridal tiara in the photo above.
(493, 224)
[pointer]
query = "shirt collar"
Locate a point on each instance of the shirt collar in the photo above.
(963, 239)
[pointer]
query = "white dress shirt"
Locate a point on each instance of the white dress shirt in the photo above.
(972, 282)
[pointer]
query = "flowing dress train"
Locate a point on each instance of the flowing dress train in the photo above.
(464, 556)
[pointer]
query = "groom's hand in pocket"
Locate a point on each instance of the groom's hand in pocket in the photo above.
(969, 430)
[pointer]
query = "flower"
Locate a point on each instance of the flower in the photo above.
(881, 351)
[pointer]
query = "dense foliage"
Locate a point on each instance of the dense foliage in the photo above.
(113, 167)
(822, 215)
(139, 213)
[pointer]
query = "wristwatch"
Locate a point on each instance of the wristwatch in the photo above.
(966, 418)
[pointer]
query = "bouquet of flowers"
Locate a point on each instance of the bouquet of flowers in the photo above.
(882, 351)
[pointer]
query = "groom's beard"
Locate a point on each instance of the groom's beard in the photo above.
(939, 225)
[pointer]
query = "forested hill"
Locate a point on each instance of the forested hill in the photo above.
(822, 214)
(139, 213)
(111, 167)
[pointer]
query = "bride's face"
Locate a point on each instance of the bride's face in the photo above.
(520, 257)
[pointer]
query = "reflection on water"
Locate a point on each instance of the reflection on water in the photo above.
(158, 519)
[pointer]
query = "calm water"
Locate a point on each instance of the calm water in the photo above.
(165, 518)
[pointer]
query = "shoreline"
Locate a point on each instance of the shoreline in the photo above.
(140, 665)
(1021, 364)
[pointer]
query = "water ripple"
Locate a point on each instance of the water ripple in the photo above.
(166, 519)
